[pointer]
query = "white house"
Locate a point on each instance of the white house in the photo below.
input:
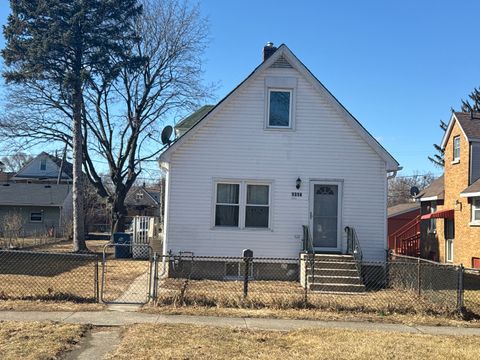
(276, 153)
(45, 168)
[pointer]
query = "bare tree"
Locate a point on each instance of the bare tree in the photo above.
(123, 118)
(399, 187)
(16, 161)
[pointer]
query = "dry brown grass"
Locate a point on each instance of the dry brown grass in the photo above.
(313, 314)
(37, 340)
(40, 305)
(95, 246)
(199, 342)
(287, 294)
(48, 278)
(121, 274)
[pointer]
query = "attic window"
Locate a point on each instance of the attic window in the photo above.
(43, 164)
(139, 196)
(279, 108)
(456, 148)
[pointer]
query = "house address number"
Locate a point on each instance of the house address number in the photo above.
(296, 194)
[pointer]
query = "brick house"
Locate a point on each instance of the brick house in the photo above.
(450, 228)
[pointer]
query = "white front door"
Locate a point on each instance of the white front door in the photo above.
(325, 215)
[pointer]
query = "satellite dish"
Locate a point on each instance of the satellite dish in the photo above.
(414, 191)
(166, 134)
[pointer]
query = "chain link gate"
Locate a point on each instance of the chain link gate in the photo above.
(128, 274)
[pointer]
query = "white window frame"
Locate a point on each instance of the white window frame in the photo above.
(432, 225)
(456, 147)
(36, 212)
(43, 164)
(215, 203)
(242, 203)
(290, 107)
(139, 196)
(475, 207)
(449, 243)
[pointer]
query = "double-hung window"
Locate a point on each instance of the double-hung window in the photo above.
(257, 206)
(242, 204)
(43, 164)
(280, 108)
(456, 148)
(227, 204)
(476, 210)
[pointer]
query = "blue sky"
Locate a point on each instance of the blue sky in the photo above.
(397, 66)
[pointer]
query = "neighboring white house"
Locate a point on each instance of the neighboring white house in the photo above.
(276, 153)
(44, 168)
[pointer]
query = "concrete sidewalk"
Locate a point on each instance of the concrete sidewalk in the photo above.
(116, 318)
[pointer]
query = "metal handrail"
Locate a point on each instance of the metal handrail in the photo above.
(353, 247)
(307, 240)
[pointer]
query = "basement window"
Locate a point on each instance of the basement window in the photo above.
(36, 216)
(236, 270)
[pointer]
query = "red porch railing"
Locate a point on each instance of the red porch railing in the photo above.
(406, 240)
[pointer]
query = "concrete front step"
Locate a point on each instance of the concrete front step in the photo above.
(344, 288)
(348, 265)
(331, 257)
(347, 280)
(333, 272)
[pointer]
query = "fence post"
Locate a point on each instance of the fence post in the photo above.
(460, 289)
(305, 280)
(96, 287)
(247, 258)
(419, 278)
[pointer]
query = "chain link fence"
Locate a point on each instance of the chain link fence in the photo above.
(29, 275)
(400, 285)
(22, 239)
(337, 283)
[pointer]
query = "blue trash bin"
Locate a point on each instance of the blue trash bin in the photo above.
(123, 251)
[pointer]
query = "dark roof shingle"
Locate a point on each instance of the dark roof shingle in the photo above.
(402, 208)
(436, 188)
(470, 123)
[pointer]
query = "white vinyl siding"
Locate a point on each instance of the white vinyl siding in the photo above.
(233, 144)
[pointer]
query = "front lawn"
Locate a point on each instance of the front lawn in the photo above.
(200, 342)
(37, 340)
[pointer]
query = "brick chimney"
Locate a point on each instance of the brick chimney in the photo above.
(268, 50)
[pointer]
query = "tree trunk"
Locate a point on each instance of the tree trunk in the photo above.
(78, 191)
(119, 213)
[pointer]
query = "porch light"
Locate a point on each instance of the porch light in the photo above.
(298, 183)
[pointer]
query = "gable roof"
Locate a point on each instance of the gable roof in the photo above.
(472, 191)
(435, 191)
(283, 54)
(147, 199)
(24, 194)
(469, 124)
(192, 119)
(67, 171)
(402, 208)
